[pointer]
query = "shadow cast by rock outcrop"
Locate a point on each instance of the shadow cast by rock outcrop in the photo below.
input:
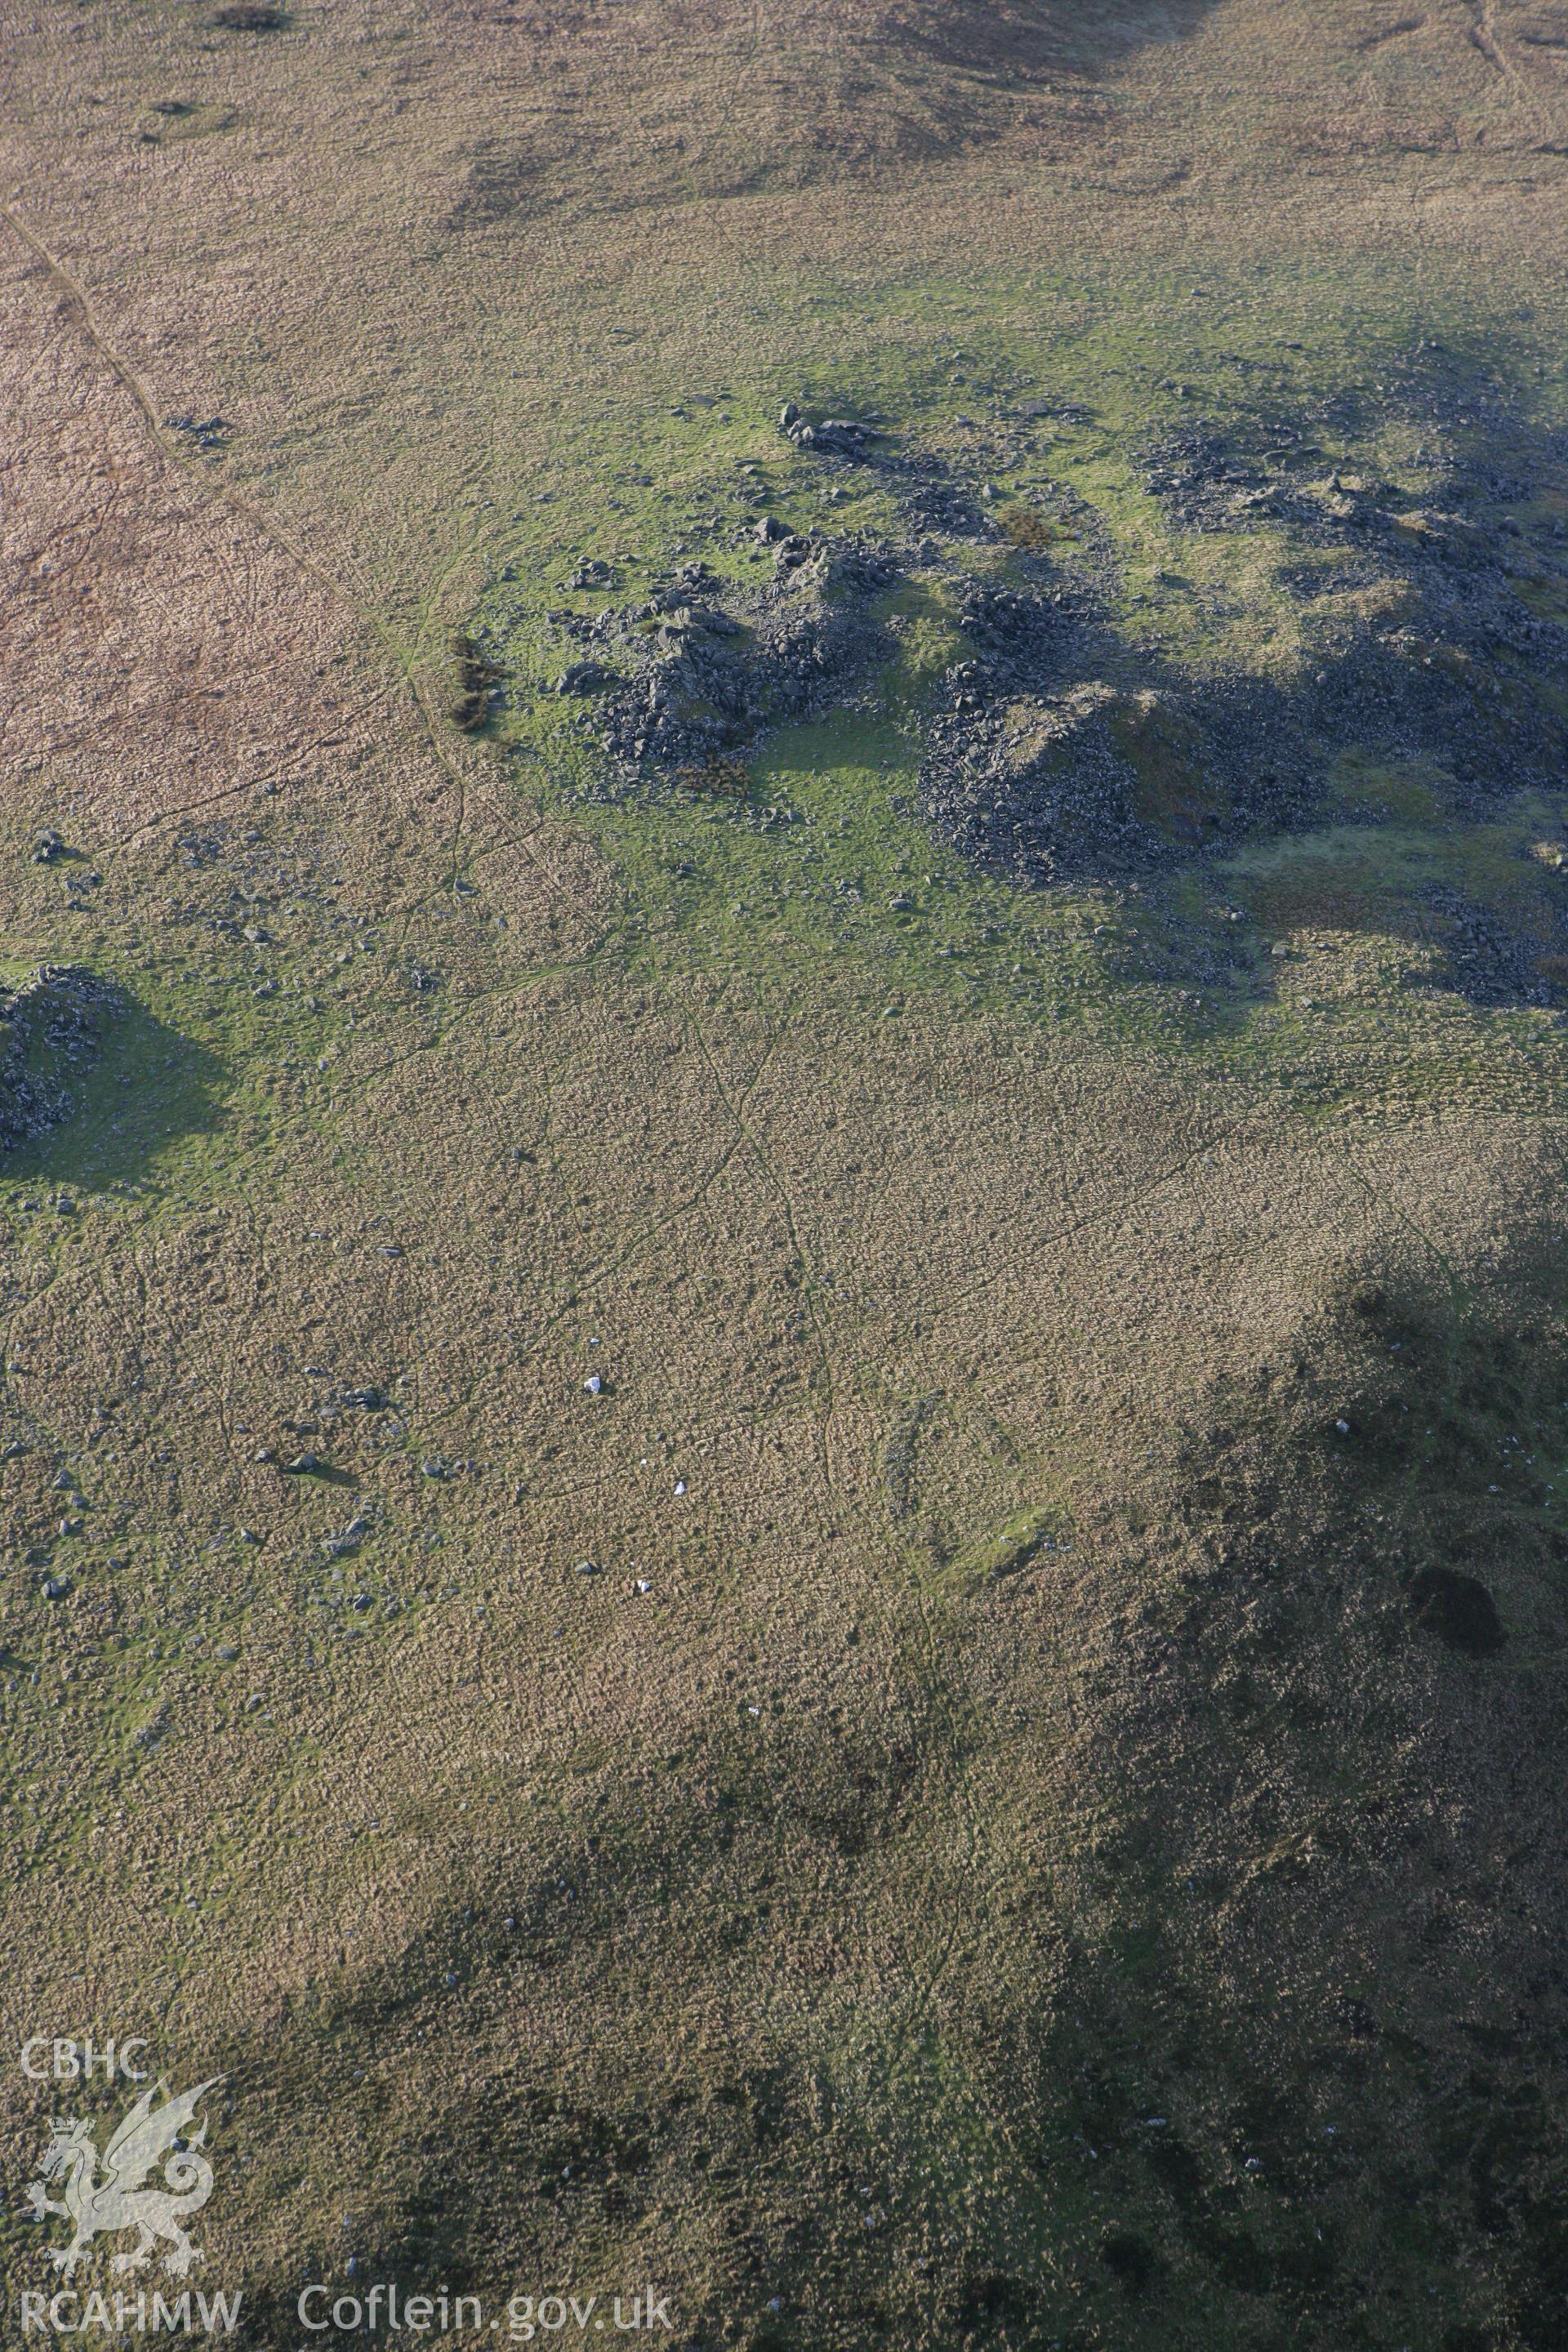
(90, 1082)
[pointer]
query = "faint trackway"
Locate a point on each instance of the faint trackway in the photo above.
(222, 493)
(1484, 38)
(736, 1111)
(248, 784)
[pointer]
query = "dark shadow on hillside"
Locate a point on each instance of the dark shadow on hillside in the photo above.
(1028, 37)
(98, 1086)
(1348, 1708)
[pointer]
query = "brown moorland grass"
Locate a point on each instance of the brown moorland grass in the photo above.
(829, 1923)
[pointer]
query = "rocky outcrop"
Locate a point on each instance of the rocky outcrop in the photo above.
(687, 676)
(1060, 746)
(50, 1025)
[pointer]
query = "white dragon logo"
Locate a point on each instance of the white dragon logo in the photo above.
(118, 2201)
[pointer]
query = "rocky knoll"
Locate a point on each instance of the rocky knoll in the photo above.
(1057, 747)
(50, 1023)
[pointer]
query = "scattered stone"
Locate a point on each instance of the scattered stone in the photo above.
(586, 1568)
(845, 434)
(586, 677)
(249, 16)
(209, 432)
(709, 679)
(303, 1465)
(49, 1024)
